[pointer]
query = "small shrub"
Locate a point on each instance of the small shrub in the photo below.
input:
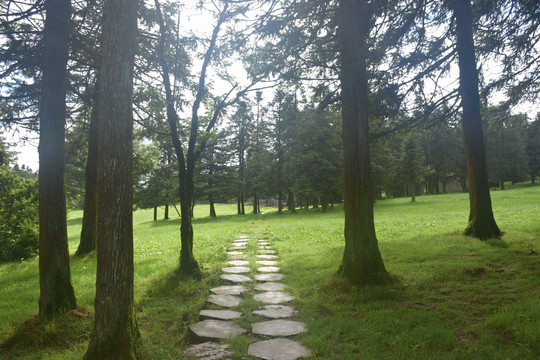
(18, 216)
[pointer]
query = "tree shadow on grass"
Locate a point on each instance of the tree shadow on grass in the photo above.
(498, 243)
(169, 304)
(34, 335)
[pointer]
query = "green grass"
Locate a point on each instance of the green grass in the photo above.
(454, 297)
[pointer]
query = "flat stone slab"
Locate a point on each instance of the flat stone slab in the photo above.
(239, 243)
(278, 349)
(238, 257)
(236, 269)
(209, 351)
(268, 269)
(273, 297)
(242, 236)
(216, 329)
(266, 256)
(275, 311)
(268, 277)
(270, 286)
(267, 251)
(238, 262)
(220, 314)
(237, 247)
(236, 278)
(231, 253)
(266, 262)
(228, 290)
(263, 242)
(278, 327)
(265, 247)
(224, 300)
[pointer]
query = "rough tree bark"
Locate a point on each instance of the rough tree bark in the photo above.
(481, 224)
(115, 334)
(56, 290)
(87, 243)
(362, 262)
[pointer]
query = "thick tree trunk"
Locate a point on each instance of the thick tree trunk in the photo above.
(155, 213)
(362, 262)
(115, 334)
(290, 202)
(56, 291)
(481, 224)
(166, 215)
(87, 243)
(188, 265)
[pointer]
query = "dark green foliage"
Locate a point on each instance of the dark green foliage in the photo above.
(505, 146)
(18, 216)
(532, 147)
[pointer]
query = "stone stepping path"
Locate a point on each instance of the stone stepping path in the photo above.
(275, 317)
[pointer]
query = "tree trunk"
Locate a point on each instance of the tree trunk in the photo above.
(212, 206)
(413, 191)
(255, 203)
(166, 216)
(56, 290)
(87, 243)
(362, 262)
(481, 224)
(188, 265)
(290, 202)
(280, 203)
(155, 213)
(115, 334)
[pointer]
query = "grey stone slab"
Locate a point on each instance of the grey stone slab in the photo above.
(265, 247)
(266, 262)
(266, 256)
(228, 290)
(275, 311)
(268, 277)
(238, 247)
(243, 236)
(278, 327)
(268, 269)
(208, 351)
(239, 243)
(235, 253)
(238, 257)
(236, 278)
(238, 262)
(270, 286)
(216, 329)
(220, 314)
(224, 300)
(267, 251)
(263, 242)
(278, 349)
(273, 297)
(236, 269)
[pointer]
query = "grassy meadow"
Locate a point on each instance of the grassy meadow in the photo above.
(453, 297)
